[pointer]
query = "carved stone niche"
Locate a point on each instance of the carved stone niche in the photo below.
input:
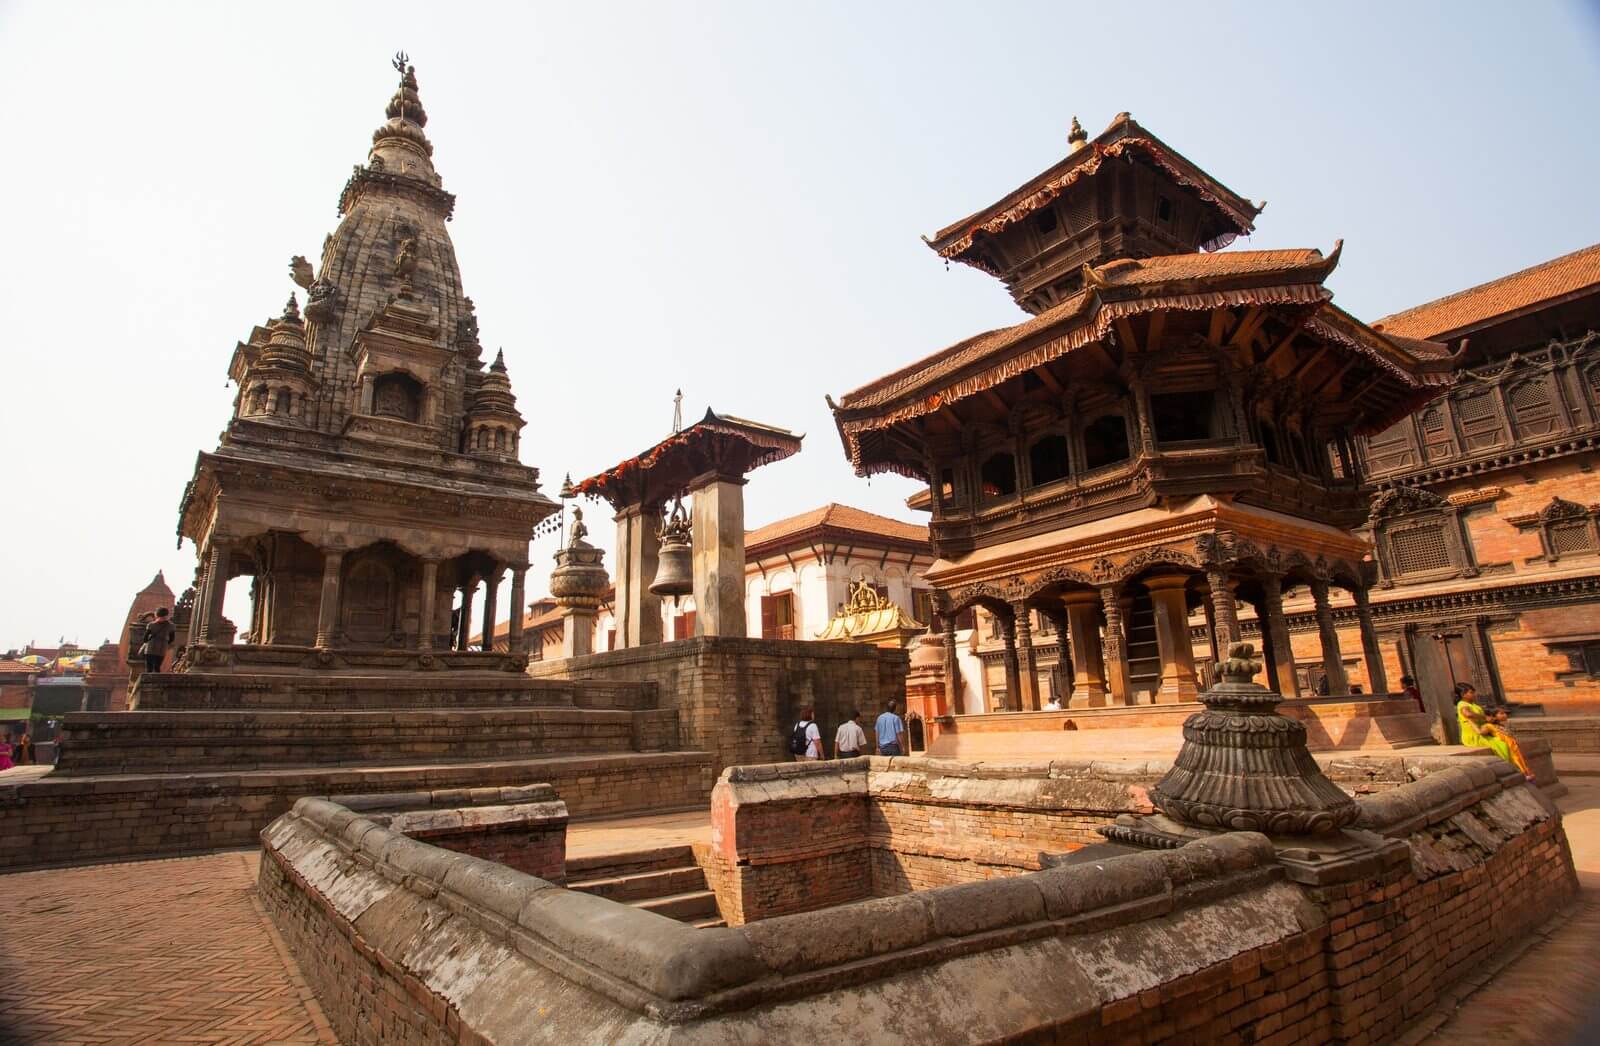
(1565, 528)
(1419, 536)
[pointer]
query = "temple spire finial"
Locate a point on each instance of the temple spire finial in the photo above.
(406, 103)
(291, 310)
(1077, 136)
(499, 363)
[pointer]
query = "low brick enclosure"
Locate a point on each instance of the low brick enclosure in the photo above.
(63, 820)
(1227, 936)
(737, 698)
(794, 837)
(1575, 734)
(522, 828)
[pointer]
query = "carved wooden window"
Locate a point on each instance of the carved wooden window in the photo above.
(1419, 549)
(1047, 459)
(1183, 416)
(1565, 528)
(1533, 406)
(1480, 420)
(1105, 441)
(1583, 659)
(1392, 449)
(998, 476)
(777, 616)
(1437, 439)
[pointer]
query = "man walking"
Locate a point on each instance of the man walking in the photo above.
(851, 740)
(157, 636)
(891, 731)
(805, 740)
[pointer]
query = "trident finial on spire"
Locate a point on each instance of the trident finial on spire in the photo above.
(401, 60)
(677, 412)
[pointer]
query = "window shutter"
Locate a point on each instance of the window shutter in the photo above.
(769, 619)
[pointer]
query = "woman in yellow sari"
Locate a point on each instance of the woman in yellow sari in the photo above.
(1480, 730)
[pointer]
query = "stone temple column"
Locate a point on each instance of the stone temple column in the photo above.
(469, 592)
(216, 587)
(1172, 638)
(1027, 670)
(1115, 647)
(491, 609)
(638, 555)
(328, 613)
(519, 577)
(1275, 630)
(430, 614)
(954, 697)
(1377, 675)
(1088, 665)
(1008, 632)
(718, 540)
(577, 583)
(1332, 660)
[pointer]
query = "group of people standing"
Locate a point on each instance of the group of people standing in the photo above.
(18, 754)
(850, 740)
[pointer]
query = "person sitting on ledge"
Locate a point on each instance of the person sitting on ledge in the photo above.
(1479, 730)
(1053, 705)
(1408, 684)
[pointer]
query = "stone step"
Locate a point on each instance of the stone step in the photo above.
(264, 691)
(167, 742)
(709, 924)
(641, 885)
(684, 907)
(632, 862)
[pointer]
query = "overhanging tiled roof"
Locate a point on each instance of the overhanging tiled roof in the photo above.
(1123, 137)
(1458, 312)
(843, 519)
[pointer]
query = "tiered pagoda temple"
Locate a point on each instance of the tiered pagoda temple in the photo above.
(1170, 430)
(370, 470)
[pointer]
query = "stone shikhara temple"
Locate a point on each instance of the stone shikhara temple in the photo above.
(1172, 433)
(1171, 430)
(370, 471)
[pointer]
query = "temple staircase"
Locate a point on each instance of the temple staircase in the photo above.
(666, 881)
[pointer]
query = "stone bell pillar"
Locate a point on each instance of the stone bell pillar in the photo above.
(718, 542)
(578, 583)
(638, 612)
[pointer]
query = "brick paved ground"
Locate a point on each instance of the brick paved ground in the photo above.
(1546, 994)
(174, 951)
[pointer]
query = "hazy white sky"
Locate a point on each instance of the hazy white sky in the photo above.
(726, 197)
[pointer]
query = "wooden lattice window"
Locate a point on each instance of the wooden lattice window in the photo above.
(1388, 451)
(1570, 537)
(1533, 405)
(1419, 549)
(1436, 436)
(1480, 421)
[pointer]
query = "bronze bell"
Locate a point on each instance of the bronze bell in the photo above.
(674, 566)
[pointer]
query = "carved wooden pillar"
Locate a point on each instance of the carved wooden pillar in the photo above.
(1268, 655)
(328, 612)
(1172, 638)
(1332, 660)
(514, 629)
(1145, 429)
(1211, 635)
(430, 593)
(1377, 676)
(1275, 630)
(1224, 610)
(1088, 666)
(491, 609)
(216, 587)
(1027, 670)
(1008, 632)
(953, 698)
(1115, 647)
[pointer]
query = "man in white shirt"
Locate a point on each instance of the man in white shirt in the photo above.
(851, 740)
(812, 735)
(1054, 705)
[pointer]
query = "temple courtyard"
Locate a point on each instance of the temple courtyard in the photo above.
(181, 950)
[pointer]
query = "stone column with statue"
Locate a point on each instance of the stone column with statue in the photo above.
(578, 583)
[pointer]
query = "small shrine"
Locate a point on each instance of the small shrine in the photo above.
(707, 462)
(871, 617)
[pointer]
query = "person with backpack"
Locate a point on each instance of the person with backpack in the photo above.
(157, 636)
(805, 740)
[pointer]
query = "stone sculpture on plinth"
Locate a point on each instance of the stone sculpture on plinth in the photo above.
(578, 583)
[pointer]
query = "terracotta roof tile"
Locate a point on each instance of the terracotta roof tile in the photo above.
(1456, 312)
(838, 517)
(8, 667)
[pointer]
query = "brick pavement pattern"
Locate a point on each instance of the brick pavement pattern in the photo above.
(172, 951)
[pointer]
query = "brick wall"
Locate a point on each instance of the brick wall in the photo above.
(209, 692)
(64, 821)
(738, 698)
